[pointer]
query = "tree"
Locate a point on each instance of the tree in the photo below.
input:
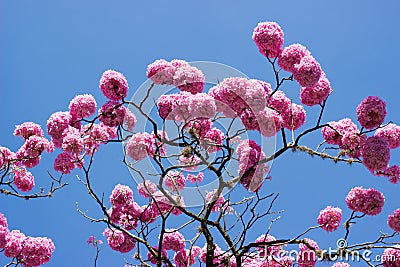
(193, 149)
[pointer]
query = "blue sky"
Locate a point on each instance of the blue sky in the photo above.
(53, 50)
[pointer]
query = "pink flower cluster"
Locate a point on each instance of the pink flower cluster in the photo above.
(369, 201)
(371, 112)
(173, 240)
(376, 153)
(329, 218)
(161, 204)
(140, 145)
(175, 181)
(185, 257)
(219, 256)
(23, 179)
(152, 259)
(177, 72)
(29, 153)
(30, 251)
(113, 85)
(392, 172)
(394, 220)
(391, 257)
(294, 118)
(268, 37)
(186, 107)
(391, 133)
(28, 129)
(112, 114)
(307, 257)
(250, 154)
(345, 134)
(316, 94)
(119, 241)
(220, 203)
(195, 178)
(189, 161)
(308, 72)
(82, 106)
(146, 189)
(292, 55)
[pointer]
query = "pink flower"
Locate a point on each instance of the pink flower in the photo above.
(392, 172)
(189, 79)
(195, 178)
(161, 72)
(308, 72)
(14, 243)
(371, 112)
(4, 232)
(267, 250)
(36, 251)
(390, 133)
(268, 37)
(166, 104)
(219, 255)
(391, 257)
(96, 134)
(148, 215)
(294, 117)
(146, 189)
(269, 122)
(369, 201)
(27, 129)
(184, 258)
(121, 195)
(315, 95)
(56, 125)
(3, 220)
(219, 205)
(152, 259)
(307, 257)
(113, 85)
(177, 63)
(333, 134)
(72, 141)
(329, 218)
(175, 181)
(292, 55)
(189, 160)
(266, 86)
(249, 154)
(119, 241)
(29, 153)
(140, 145)
(201, 105)
(129, 120)
(213, 139)
(5, 156)
(173, 240)
(112, 114)
(249, 119)
(394, 220)
(279, 102)
(64, 163)
(23, 180)
(82, 106)
(376, 153)
(199, 127)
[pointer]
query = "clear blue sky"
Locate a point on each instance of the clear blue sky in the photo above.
(51, 51)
